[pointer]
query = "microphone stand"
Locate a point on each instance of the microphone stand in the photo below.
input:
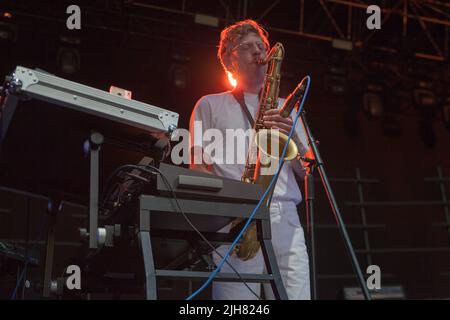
(309, 200)
(317, 162)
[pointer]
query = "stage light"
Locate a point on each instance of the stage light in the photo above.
(335, 80)
(7, 15)
(68, 60)
(373, 105)
(178, 75)
(178, 71)
(424, 97)
(342, 44)
(4, 34)
(372, 101)
(231, 79)
(206, 20)
(8, 32)
(335, 84)
(68, 55)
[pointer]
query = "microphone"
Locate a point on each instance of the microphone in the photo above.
(292, 99)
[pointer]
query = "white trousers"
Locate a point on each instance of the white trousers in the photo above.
(288, 241)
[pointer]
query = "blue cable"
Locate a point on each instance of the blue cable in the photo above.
(274, 178)
(13, 296)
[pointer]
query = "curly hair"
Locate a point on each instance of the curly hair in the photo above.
(232, 34)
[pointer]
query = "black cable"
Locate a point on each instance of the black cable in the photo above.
(114, 173)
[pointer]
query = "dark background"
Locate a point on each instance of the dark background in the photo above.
(158, 52)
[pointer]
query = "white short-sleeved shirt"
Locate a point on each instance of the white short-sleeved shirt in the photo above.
(221, 111)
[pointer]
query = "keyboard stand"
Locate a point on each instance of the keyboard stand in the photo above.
(151, 206)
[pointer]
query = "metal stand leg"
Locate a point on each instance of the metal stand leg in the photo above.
(53, 210)
(149, 204)
(309, 190)
(335, 208)
(271, 263)
(95, 142)
(149, 267)
(147, 254)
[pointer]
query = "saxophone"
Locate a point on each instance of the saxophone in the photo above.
(265, 148)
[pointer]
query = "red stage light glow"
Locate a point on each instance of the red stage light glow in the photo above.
(231, 79)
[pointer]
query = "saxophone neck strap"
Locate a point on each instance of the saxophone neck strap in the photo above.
(238, 94)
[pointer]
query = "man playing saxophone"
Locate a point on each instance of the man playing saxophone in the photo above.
(241, 49)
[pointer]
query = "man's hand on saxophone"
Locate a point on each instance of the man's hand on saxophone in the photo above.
(272, 119)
